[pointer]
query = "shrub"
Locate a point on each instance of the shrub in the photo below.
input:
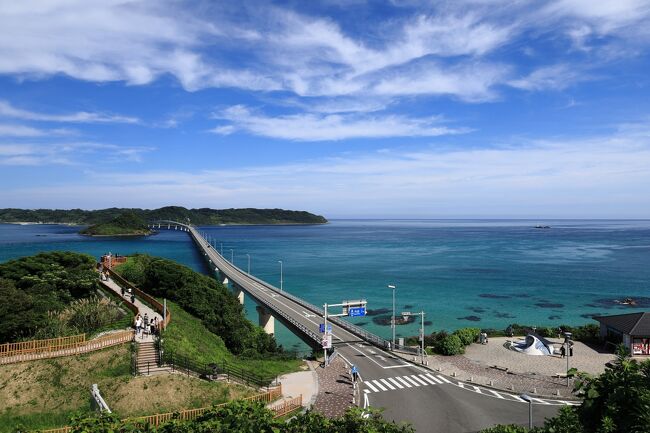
(509, 428)
(467, 335)
(450, 345)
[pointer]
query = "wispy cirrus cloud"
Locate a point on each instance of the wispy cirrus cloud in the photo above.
(9, 110)
(14, 130)
(318, 127)
(67, 153)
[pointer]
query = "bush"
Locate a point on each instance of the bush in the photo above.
(467, 335)
(509, 428)
(450, 345)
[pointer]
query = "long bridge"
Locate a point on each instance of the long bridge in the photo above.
(432, 402)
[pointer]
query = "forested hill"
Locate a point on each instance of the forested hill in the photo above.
(203, 216)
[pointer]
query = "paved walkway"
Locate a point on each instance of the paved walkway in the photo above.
(335, 391)
(517, 372)
(301, 382)
(142, 308)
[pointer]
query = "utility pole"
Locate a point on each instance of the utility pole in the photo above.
(392, 321)
(281, 289)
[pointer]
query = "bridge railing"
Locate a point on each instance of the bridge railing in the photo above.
(354, 329)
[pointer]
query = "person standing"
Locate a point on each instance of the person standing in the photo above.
(138, 324)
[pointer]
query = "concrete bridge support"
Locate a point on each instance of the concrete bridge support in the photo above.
(266, 319)
(221, 277)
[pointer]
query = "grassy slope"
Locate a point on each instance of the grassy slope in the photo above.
(44, 394)
(186, 334)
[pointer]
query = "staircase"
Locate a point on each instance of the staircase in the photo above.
(147, 361)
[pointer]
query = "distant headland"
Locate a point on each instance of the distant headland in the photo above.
(133, 222)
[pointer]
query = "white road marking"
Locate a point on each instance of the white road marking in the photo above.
(397, 384)
(408, 385)
(378, 385)
(387, 383)
(443, 379)
(369, 385)
(496, 394)
(412, 381)
(432, 377)
(398, 366)
(418, 379)
(426, 379)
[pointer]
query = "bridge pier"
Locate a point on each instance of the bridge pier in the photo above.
(239, 292)
(266, 320)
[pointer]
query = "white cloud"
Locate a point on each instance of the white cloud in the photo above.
(554, 77)
(317, 127)
(13, 130)
(603, 176)
(8, 110)
(67, 153)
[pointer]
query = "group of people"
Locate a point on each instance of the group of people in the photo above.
(129, 294)
(144, 325)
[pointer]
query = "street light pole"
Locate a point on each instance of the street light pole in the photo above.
(422, 335)
(326, 337)
(221, 243)
(392, 322)
(232, 257)
(526, 397)
(249, 263)
(280, 261)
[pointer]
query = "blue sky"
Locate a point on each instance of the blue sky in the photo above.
(465, 108)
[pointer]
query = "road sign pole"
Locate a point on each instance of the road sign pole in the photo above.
(325, 348)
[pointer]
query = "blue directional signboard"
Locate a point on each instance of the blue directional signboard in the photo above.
(357, 311)
(321, 328)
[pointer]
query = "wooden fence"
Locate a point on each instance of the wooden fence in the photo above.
(279, 409)
(157, 305)
(62, 346)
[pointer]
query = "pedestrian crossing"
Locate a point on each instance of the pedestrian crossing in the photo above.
(413, 381)
(403, 382)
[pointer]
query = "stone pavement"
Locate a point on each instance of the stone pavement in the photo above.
(335, 391)
(525, 373)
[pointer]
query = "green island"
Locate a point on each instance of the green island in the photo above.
(202, 216)
(126, 224)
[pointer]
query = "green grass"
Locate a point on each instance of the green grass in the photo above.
(43, 420)
(187, 335)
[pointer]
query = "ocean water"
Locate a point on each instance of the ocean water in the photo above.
(483, 273)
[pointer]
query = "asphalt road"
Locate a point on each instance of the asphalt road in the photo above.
(431, 402)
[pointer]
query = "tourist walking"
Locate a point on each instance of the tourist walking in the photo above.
(138, 324)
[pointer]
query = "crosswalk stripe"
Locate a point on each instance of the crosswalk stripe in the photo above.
(369, 385)
(379, 385)
(413, 381)
(516, 397)
(419, 380)
(443, 379)
(397, 384)
(426, 379)
(432, 377)
(495, 393)
(387, 383)
(408, 385)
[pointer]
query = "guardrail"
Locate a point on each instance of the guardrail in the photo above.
(190, 414)
(184, 364)
(62, 346)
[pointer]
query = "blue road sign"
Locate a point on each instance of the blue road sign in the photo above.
(321, 328)
(357, 311)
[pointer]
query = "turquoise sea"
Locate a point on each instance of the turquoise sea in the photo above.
(484, 273)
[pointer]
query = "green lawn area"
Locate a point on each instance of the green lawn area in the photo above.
(187, 335)
(46, 393)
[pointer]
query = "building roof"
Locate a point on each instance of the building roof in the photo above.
(637, 324)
